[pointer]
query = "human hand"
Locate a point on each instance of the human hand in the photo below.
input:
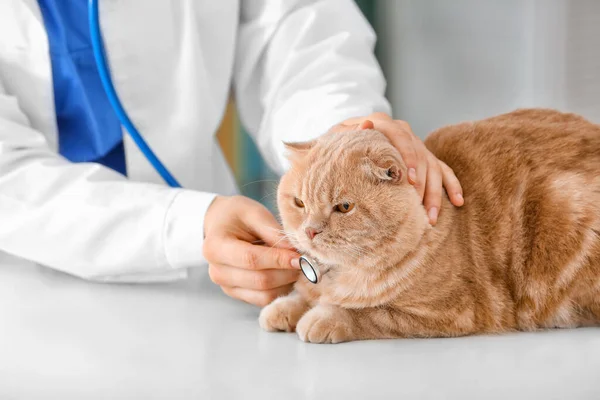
(248, 255)
(425, 171)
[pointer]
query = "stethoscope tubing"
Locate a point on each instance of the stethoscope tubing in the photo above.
(113, 97)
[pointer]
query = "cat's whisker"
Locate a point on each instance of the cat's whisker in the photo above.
(281, 231)
(268, 195)
(355, 251)
(258, 181)
(284, 236)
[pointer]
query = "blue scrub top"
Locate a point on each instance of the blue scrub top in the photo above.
(88, 128)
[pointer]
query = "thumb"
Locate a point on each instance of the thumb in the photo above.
(264, 226)
(366, 124)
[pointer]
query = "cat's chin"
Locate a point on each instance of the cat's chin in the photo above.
(322, 257)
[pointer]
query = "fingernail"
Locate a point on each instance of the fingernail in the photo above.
(366, 124)
(295, 263)
(460, 198)
(412, 175)
(433, 214)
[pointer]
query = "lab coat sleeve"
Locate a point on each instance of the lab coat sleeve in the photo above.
(303, 66)
(88, 220)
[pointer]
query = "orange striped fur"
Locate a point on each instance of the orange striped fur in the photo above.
(523, 253)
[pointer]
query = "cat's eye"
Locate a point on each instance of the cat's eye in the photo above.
(344, 207)
(299, 202)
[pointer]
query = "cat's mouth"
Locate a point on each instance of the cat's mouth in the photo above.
(318, 252)
(306, 246)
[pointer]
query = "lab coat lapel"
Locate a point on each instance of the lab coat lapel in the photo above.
(162, 80)
(24, 46)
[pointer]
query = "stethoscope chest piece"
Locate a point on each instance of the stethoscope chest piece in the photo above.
(310, 269)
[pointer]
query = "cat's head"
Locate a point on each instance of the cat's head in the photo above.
(346, 200)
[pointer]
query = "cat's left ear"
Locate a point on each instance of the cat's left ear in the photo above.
(298, 150)
(385, 169)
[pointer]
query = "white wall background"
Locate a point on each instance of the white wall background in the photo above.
(449, 61)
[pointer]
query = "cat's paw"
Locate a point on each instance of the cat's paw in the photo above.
(325, 324)
(282, 314)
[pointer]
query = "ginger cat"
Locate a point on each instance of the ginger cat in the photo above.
(523, 253)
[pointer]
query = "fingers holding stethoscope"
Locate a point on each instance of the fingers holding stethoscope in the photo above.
(266, 279)
(258, 287)
(246, 251)
(259, 298)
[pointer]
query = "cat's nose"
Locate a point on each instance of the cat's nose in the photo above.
(312, 232)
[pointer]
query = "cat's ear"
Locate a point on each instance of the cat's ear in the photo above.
(384, 169)
(298, 150)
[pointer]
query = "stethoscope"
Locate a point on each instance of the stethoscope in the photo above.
(310, 268)
(113, 98)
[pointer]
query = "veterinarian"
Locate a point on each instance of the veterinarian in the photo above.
(78, 195)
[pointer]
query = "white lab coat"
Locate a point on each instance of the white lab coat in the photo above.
(296, 66)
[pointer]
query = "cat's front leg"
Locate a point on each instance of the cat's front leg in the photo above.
(329, 324)
(283, 313)
(332, 324)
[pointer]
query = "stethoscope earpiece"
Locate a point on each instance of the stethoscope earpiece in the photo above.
(310, 269)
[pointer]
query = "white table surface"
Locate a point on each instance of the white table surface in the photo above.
(63, 338)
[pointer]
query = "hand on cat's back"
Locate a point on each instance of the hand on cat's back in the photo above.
(428, 174)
